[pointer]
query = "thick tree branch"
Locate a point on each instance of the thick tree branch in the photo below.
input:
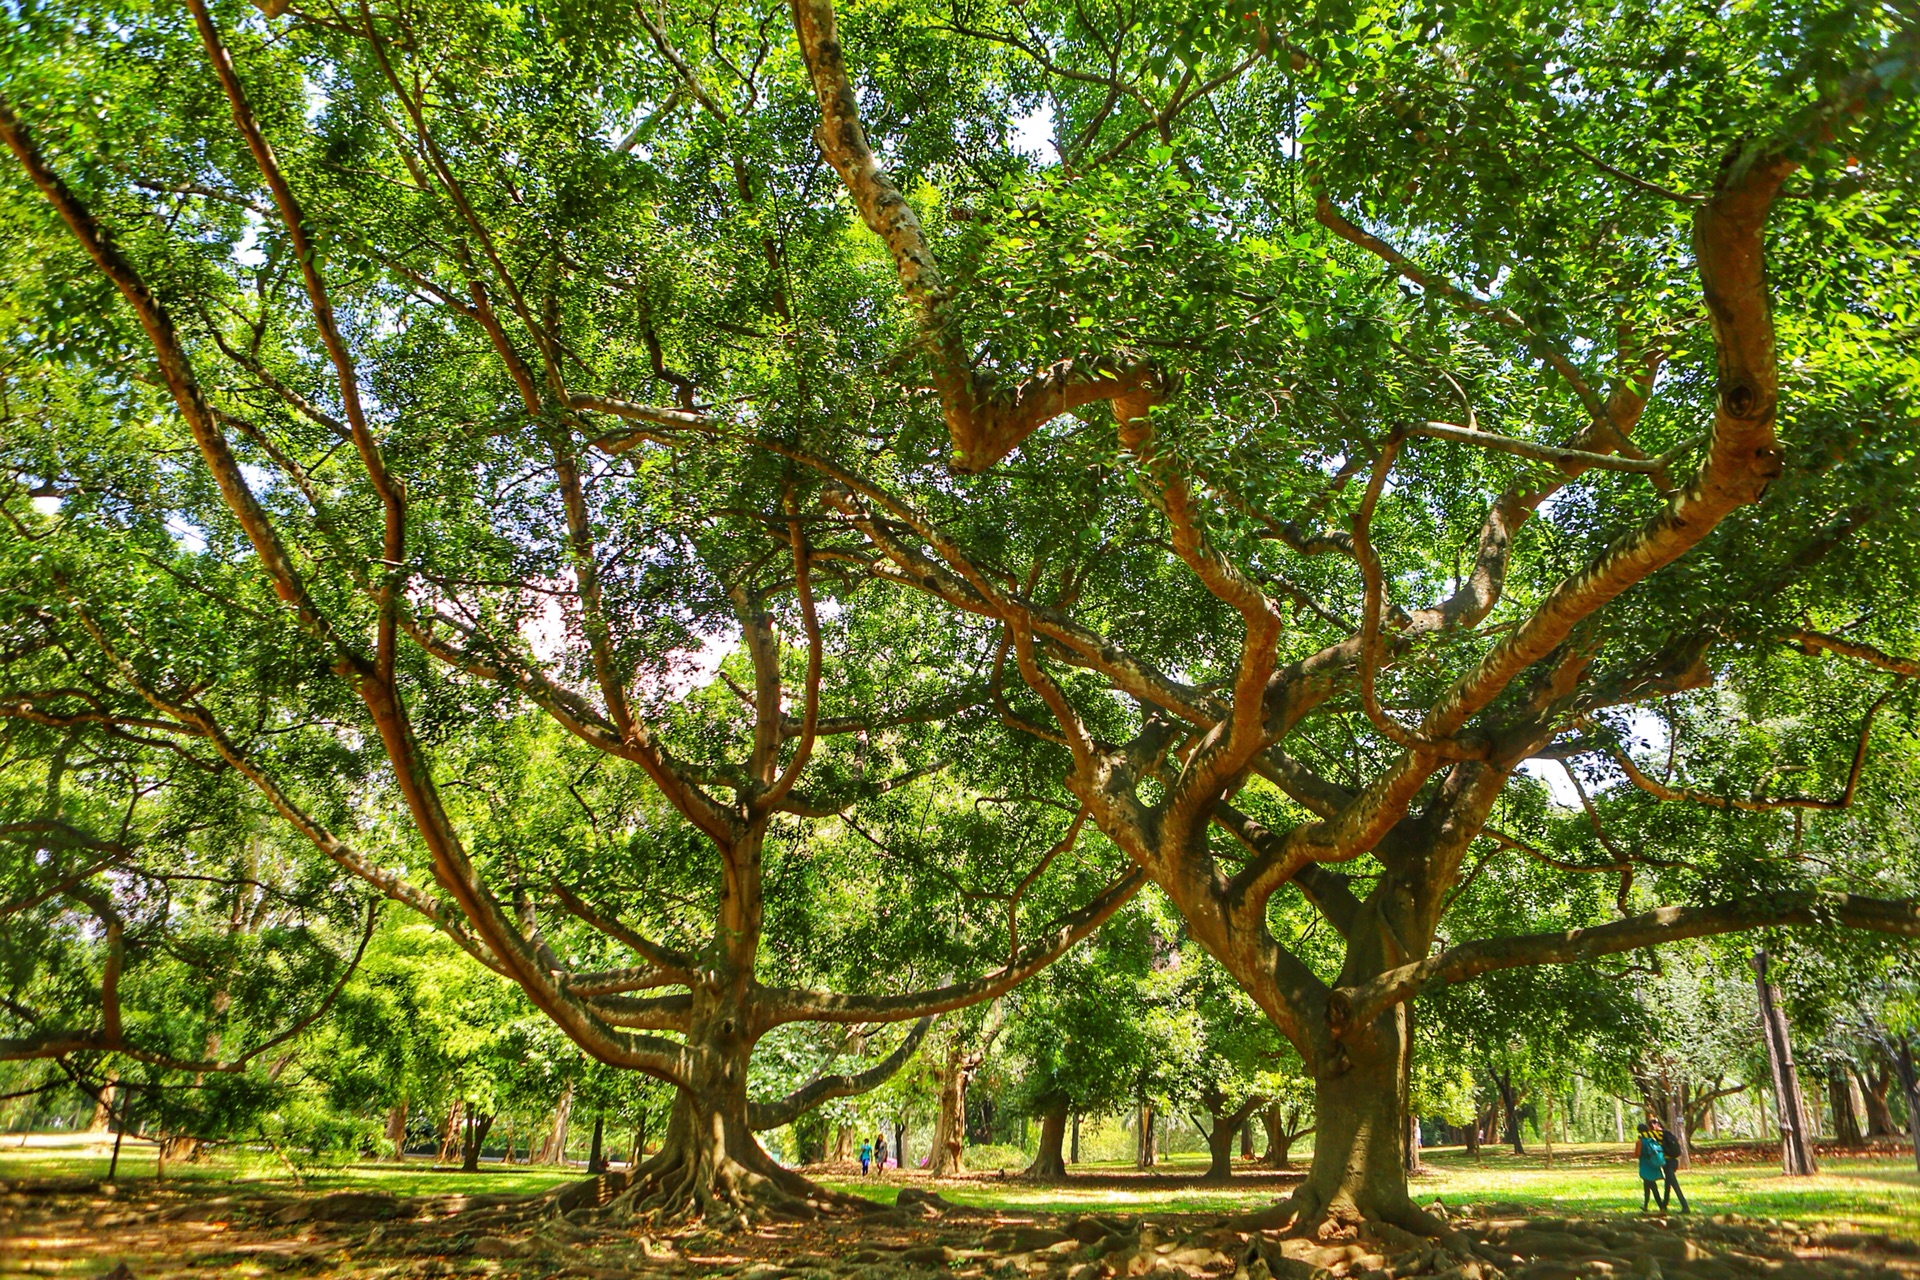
(762, 1116)
(1357, 1007)
(776, 1005)
(985, 420)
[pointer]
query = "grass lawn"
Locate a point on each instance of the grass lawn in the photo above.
(1881, 1195)
(67, 1156)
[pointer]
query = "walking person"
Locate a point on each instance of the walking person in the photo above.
(880, 1151)
(1653, 1163)
(1670, 1154)
(866, 1158)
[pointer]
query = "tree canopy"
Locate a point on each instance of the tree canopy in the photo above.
(709, 503)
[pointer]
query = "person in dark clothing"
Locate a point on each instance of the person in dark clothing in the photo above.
(880, 1151)
(1653, 1163)
(1670, 1166)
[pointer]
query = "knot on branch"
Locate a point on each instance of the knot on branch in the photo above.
(1743, 398)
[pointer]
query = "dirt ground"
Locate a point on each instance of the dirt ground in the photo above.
(85, 1229)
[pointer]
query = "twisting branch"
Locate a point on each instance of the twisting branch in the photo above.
(1759, 804)
(392, 496)
(1357, 1007)
(810, 697)
(677, 964)
(1858, 650)
(985, 420)
(824, 1088)
(777, 1005)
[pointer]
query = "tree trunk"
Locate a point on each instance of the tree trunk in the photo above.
(900, 1144)
(1048, 1165)
(842, 1143)
(949, 1137)
(1220, 1147)
(103, 1105)
(1510, 1105)
(477, 1127)
(1360, 1114)
(1619, 1122)
(1476, 1129)
(1676, 1123)
(1412, 1149)
(1796, 1152)
(1846, 1121)
(1903, 1065)
(1875, 1084)
(397, 1129)
(554, 1149)
(450, 1139)
(1280, 1135)
(1246, 1140)
(596, 1152)
(1147, 1152)
(1075, 1157)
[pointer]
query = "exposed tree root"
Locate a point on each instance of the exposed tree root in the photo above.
(685, 1184)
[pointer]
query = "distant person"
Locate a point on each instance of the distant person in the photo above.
(866, 1158)
(1670, 1153)
(880, 1152)
(1653, 1164)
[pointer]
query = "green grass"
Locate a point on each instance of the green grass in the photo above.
(76, 1158)
(1871, 1195)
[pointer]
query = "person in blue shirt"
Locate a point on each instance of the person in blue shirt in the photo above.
(1653, 1168)
(1670, 1152)
(866, 1158)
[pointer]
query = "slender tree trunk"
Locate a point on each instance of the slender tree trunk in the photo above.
(842, 1143)
(949, 1138)
(1412, 1148)
(1875, 1084)
(1676, 1123)
(450, 1139)
(554, 1149)
(1280, 1135)
(477, 1127)
(397, 1129)
(1075, 1157)
(1147, 1152)
(1903, 1066)
(1846, 1121)
(1619, 1122)
(103, 1105)
(1796, 1152)
(596, 1153)
(1246, 1140)
(1048, 1165)
(1510, 1104)
(900, 1145)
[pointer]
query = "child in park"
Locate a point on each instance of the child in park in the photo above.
(1653, 1167)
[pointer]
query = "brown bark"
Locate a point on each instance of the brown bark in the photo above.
(450, 1136)
(1146, 1150)
(1226, 1124)
(474, 1136)
(1846, 1121)
(1284, 1127)
(1796, 1146)
(397, 1130)
(553, 1149)
(1875, 1084)
(1049, 1163)
(949, 1138)
(103, 1105)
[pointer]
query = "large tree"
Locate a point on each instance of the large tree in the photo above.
(320, 333)
(1456, 471)
(1433, 414)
